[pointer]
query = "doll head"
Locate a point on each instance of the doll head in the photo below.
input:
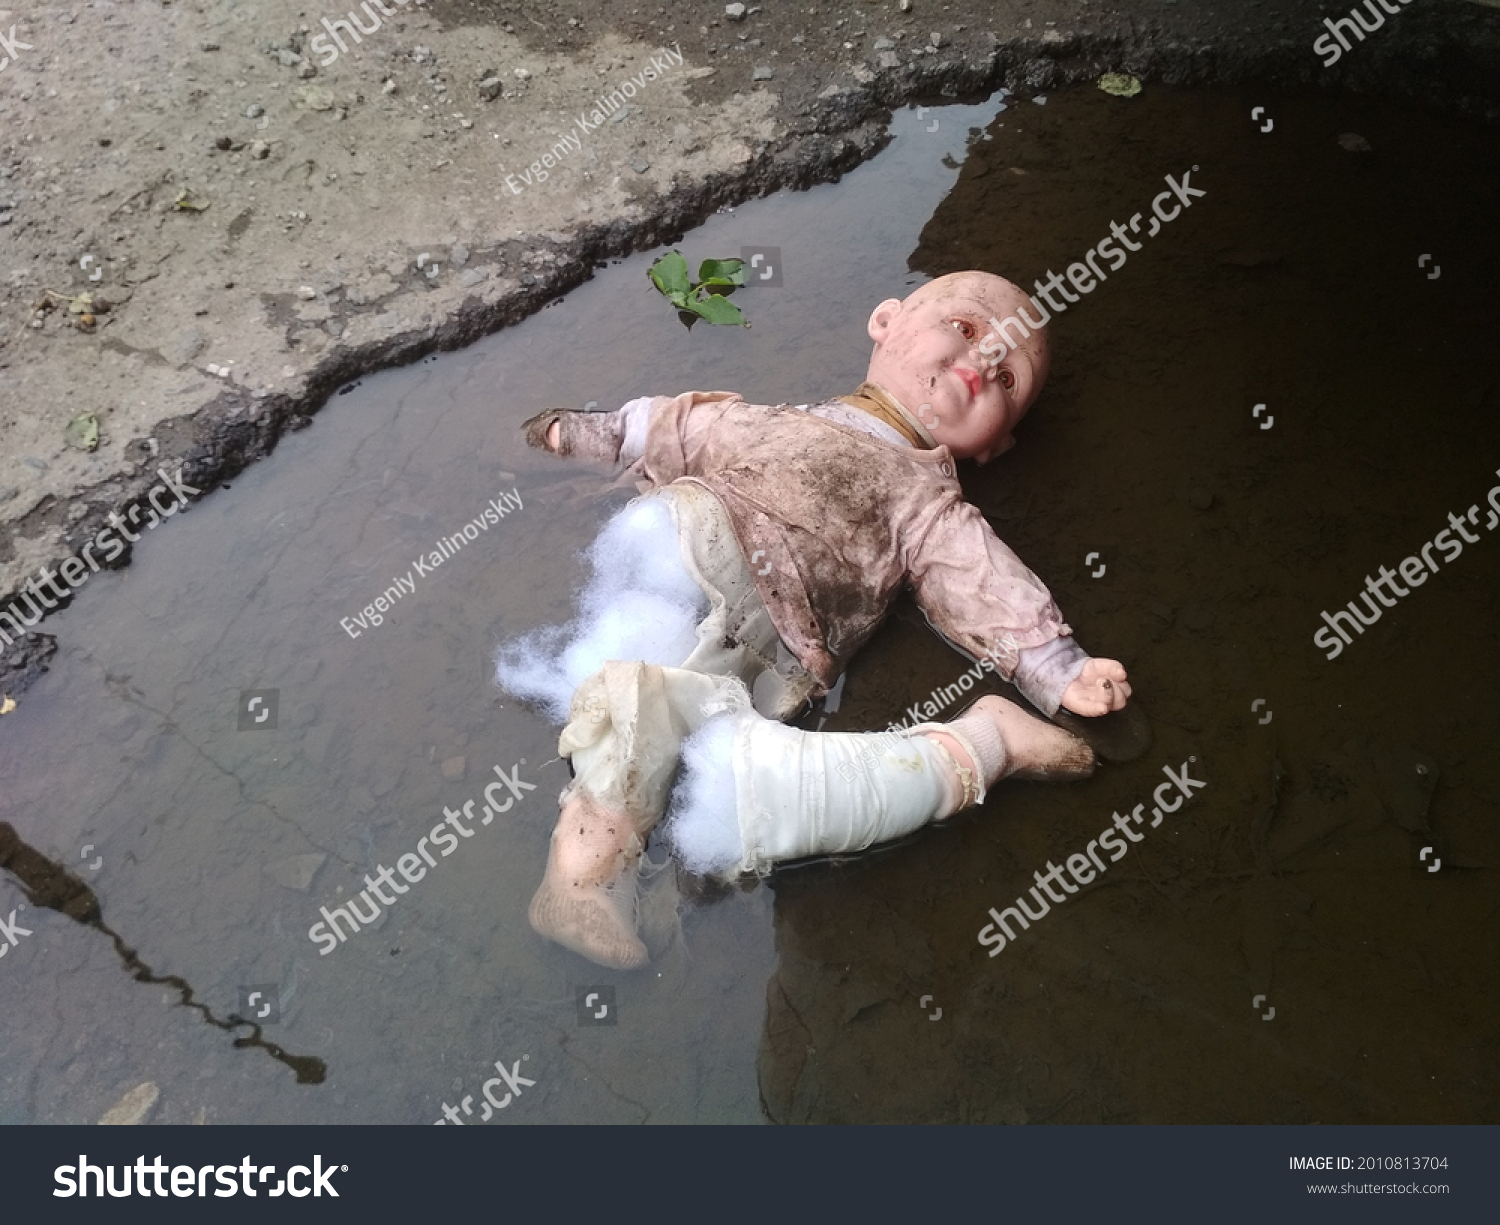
(940, 353)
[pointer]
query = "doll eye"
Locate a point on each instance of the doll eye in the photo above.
(1007, 379)
(965, 328)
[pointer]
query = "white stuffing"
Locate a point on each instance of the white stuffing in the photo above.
(639, 604)
(703, 825)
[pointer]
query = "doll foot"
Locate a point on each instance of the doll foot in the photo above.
(587, 900)
(596, 922)
(1034, 748)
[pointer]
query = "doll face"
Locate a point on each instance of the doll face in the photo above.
(927, 355)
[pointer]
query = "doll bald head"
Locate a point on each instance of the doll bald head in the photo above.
(962, 354)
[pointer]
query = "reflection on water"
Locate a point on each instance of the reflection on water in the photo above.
(51, 886)
(854, 990)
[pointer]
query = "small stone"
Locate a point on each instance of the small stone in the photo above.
(316, 98)
(306, 292)
(458, 255)
(287, 58)
(522, 75)
(1201, 498)
(905, 6)
(260, 150)
(297, 871)
(1354, 142)
(184, 347)
(135, 1107)
(1120, 84)
(254, 111)
(39, 464)
(390, 87)
(453, 767)
(762, 73)
(935, 38)
(884, 44)
(472, 277)
(735, 12)
(640, 167)
(208, 46)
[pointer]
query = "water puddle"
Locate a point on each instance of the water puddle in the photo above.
(234, 734)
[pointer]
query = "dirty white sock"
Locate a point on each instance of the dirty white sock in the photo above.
(980, 732)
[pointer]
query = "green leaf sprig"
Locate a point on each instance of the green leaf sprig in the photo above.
(705, 298)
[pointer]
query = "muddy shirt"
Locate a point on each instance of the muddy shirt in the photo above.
(834, 523)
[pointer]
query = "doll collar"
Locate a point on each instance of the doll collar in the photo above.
(880, 404)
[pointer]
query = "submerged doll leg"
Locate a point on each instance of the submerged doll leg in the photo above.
(586, 901)
(757, 793)
(627, 725)
(663, 565)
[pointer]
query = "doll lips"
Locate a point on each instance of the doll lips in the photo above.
(971, 380)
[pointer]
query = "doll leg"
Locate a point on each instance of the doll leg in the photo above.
(627, 725)
(757, 793)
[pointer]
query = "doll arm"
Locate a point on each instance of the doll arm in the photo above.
(617, 437)
(980, 596)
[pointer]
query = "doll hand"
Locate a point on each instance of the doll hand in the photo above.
(544, 431)
(1100, 688)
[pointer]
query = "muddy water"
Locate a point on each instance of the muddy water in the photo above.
(1296, 874)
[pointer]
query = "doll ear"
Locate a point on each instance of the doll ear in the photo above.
(882, 317)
